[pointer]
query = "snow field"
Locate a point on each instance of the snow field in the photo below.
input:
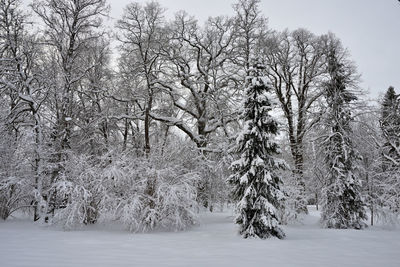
(213, 243)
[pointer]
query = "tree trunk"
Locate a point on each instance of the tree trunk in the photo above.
(147, 128)
(40, 204)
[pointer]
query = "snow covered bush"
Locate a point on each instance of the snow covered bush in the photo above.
(16, 183)
(155, 193)
(288, 211)
(386, 194)
(12, 195)
(213, 190)
(143, 193)
(146, 197)
(386, 217)
(78, 209)
(77, 195)
(8, 183)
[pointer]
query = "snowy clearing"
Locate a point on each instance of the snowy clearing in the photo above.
(214, 243)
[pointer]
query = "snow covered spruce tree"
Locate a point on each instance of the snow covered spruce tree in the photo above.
(343, 207)
(256, 184)
(390, 150)
(390, 127)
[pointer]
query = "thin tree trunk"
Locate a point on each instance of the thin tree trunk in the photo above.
(147, 129)
(38, 211)
(165, 140)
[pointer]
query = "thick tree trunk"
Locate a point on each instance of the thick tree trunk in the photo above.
(296, 146)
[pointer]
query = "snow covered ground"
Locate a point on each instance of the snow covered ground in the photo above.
(214, 243)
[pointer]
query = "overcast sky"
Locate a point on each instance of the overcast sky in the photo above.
(370, 29)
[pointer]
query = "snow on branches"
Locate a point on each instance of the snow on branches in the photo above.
(344, 206)
(256, 184)
(142, 194)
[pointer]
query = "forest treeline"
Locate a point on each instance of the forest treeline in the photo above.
(145, 133)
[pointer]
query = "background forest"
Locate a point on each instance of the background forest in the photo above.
(145, 133)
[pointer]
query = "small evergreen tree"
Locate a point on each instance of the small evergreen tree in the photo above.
(343, 207)
(256, 184)
(389, 104)
(390, 126)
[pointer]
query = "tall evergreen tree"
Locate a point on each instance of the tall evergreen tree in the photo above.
(256, 184)
(344, 207)
(390, 150)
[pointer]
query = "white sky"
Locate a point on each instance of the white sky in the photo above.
(370, 29)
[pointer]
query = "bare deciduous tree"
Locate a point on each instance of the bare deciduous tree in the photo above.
(295, 68)
(142, 37)
(69, 28)
(199, 78)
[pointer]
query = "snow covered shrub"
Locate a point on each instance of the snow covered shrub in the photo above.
(12, 195)
(78, 193)
(212, 187)
(77, 209)
(149, 194)
(384, 195)
(16, 183)
(386, 217)
(164, 200)
(211, 167)
(288, 212)
(158, 192)
(8, 183)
